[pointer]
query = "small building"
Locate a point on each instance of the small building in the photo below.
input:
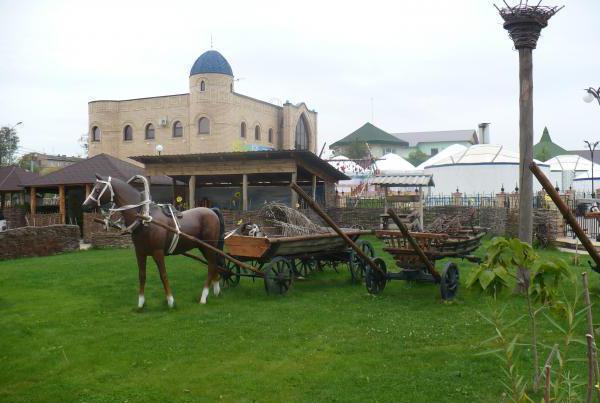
(211, 118)
(12, 189)
(247, 180)
(379, 142)
(46, 163)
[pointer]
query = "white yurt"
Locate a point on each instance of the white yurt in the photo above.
(565, 168)
(480, 169)
(445, 153)
(393, 164)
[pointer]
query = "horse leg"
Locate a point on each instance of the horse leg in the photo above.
(212, 276)
(159, 259)
(141, 261)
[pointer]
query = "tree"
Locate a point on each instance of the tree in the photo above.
(9, 142)
(356, 150)
(417, 157)
(83, 143)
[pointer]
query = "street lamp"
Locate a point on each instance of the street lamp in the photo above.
(591, 94)
(592, 147)
(159, 148)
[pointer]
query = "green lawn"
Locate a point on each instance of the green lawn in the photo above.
(70, 331)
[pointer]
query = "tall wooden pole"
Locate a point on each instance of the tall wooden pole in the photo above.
(192, 191)
(525, 145)
(524, 24)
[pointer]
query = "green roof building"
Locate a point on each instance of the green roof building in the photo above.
(546, 148)
(380, 142)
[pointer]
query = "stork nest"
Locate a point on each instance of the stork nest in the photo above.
(288, 221)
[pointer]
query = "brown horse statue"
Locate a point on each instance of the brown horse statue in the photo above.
(152, 240)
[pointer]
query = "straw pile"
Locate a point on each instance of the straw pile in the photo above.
(288, 221)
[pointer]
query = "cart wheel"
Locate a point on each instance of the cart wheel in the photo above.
(304, 266)
(450, 281)
(232, 278)
(356, 264)
(278, 276)
(374, 279)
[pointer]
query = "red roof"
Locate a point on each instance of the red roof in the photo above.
(13, 177)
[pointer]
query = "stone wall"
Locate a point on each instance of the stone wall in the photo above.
(14, 216)
(38, 241)
(110, 240)
(91, 227)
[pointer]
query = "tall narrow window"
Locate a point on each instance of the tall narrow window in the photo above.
(257, 132)
(127, 133)
(177, 129)
(202, 86)
(302, 134)
(270, 135)
(203, 126)
(243, 130)
(95, 133)
(149, 133)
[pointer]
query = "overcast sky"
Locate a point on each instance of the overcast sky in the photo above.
(435, 65)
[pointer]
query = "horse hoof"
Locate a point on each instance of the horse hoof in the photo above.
(141, 301)
(171, 301)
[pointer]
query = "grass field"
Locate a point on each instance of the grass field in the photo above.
(70, 331)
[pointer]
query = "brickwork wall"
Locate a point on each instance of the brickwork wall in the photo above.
(14, 216)
(38, 241)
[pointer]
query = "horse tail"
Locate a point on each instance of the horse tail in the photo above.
(221, 241)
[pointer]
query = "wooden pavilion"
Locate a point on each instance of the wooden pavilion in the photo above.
(12, 191)
(267, 173)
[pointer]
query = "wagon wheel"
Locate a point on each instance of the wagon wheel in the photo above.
(450, 281)
(278, 276)
(356, 264)
(376, 280)
(232, 278)
(304, 266)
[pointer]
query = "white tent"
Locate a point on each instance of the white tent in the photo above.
(565, 168)
(445, 153)
(391, 164)
(481, 168)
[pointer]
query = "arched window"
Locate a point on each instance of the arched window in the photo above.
(202, 85)
(127, 133)
(95, 133)
(177, 129)
(149, 133)
(243, 130)
(302, 134)
(257, 132)
(270, 135)
(203, 126)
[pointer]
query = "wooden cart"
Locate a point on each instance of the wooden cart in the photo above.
(294, 255)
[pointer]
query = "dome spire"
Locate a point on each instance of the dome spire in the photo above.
(213, 62)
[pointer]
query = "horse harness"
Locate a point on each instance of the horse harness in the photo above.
(167, 210)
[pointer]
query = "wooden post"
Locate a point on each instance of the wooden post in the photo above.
(61, 203)
(88, 189)
(2, 195)
(244, 192)
(294, 196)
(173, 191)
(32, 201)
(314, 186)
(192, 191)
(421, 208)
(525, 145)
(385, 197)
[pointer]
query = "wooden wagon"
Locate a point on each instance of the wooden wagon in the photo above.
(293, 256)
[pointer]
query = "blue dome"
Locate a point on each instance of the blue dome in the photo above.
(211, 62)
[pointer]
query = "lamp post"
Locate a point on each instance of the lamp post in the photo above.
(592, 147)
(524, 24)
(591, 94)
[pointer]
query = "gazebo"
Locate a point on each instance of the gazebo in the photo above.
(12, 191)
(73, 183)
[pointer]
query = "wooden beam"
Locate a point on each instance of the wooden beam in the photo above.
(294, 195)
(192, 191)
(245, 192)
(88, 189)
(32, 201)
(61, 204)
(314, 186)
(525, 145)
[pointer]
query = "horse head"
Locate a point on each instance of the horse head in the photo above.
(102, 193)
